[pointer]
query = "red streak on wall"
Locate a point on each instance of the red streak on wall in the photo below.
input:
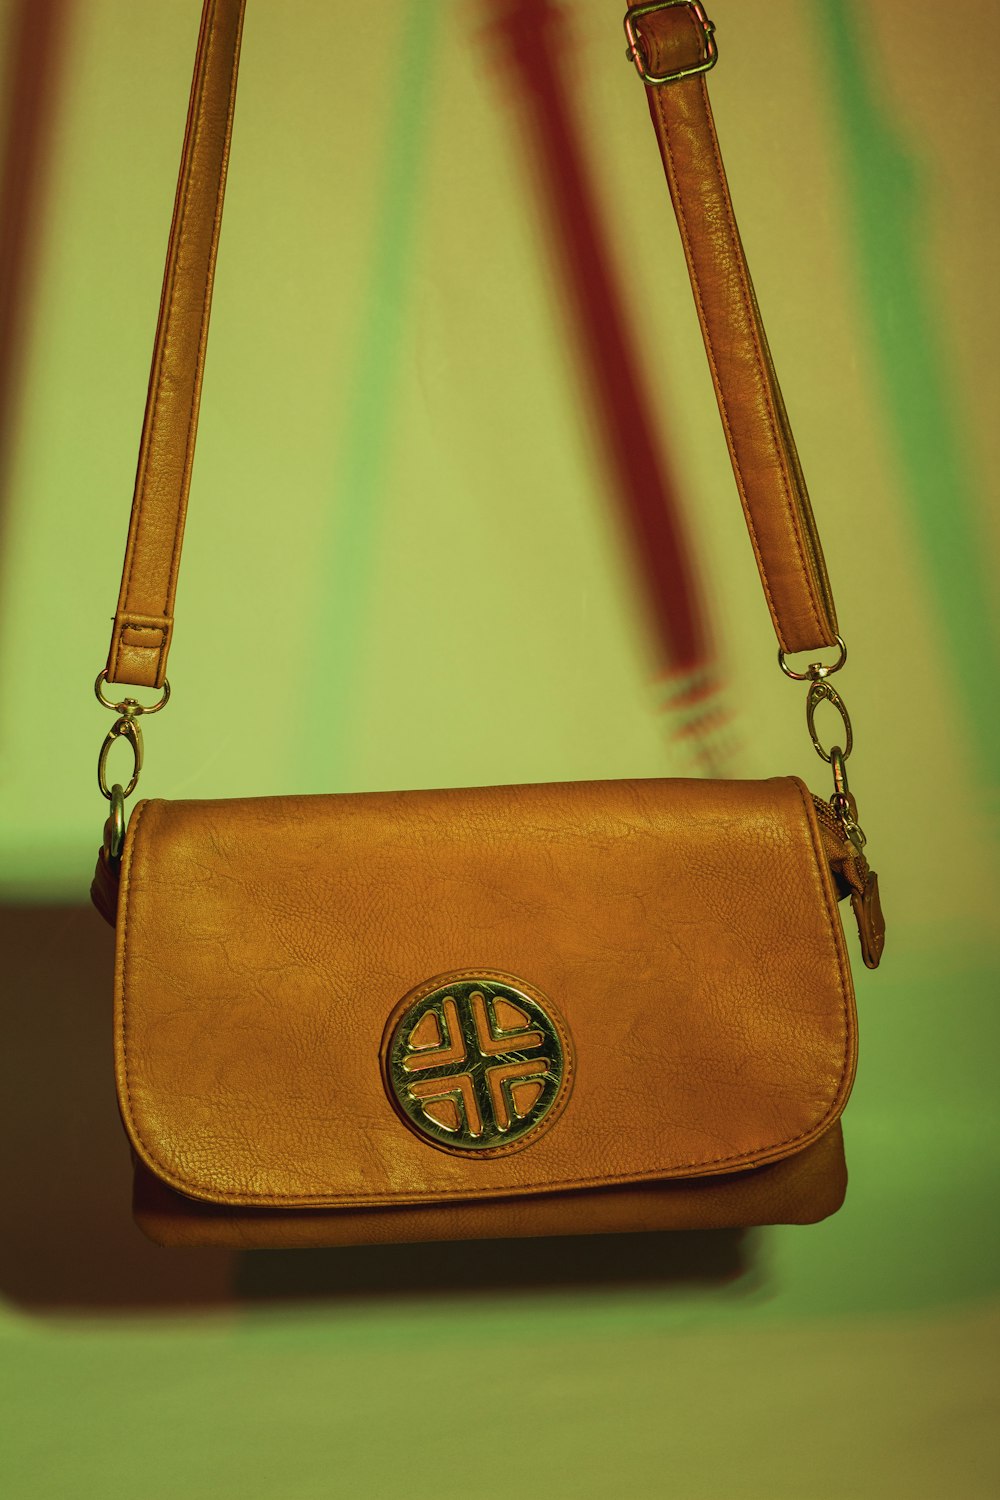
(34, 50)
(535, 36)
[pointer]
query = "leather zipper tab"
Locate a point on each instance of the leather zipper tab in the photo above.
(871, 923)
(853, 877)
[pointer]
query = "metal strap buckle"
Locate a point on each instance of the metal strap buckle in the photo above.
(637, 55)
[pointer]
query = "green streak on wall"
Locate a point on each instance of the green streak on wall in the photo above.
(887, 201)
(356, 491)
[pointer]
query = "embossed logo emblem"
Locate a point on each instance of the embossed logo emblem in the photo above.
(477, 1062)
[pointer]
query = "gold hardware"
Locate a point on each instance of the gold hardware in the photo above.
(837, 759)
(816, 670)
(132, 704)
(821, 692)
(636, 54)
(114, 833)
(476, 1062)
(842, 801)
(125, 728)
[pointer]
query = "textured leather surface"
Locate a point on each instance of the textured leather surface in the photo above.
(801, 1189)
(765, 462)
(685, 930)
(143, 623)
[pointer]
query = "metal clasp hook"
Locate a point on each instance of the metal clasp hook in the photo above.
(843, 802)
(822, 691)
(125, 728)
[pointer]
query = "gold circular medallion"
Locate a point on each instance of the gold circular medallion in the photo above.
(477, 1062)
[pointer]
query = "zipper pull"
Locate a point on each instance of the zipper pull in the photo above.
(871, 923)
(866, 905)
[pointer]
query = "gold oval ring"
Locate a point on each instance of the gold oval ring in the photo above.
(822, 692)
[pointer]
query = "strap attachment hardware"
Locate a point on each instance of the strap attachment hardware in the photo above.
(842, 802)
(636, 53)
(126, 727)
(817, 670)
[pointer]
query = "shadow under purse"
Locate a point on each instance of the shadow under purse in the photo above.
(505, 1011)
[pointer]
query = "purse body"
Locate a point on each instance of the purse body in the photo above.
(505, 1011)
(682, 935)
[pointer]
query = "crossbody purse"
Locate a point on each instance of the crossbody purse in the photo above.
(501, 1011)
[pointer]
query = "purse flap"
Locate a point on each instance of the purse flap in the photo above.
(405, 997)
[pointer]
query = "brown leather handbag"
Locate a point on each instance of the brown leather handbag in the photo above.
(515, 1010)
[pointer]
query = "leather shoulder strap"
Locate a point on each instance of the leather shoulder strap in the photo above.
(667, 40)
(673, 39)
(143, 623)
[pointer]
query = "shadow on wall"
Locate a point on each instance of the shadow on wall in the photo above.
(34, 45)
(66, 1181)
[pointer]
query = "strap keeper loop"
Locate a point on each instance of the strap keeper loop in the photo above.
(636, 53)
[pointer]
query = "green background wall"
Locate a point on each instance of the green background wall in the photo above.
(403, 568)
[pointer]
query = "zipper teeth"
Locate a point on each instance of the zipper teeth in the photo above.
(828, 820)
(827, 815)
